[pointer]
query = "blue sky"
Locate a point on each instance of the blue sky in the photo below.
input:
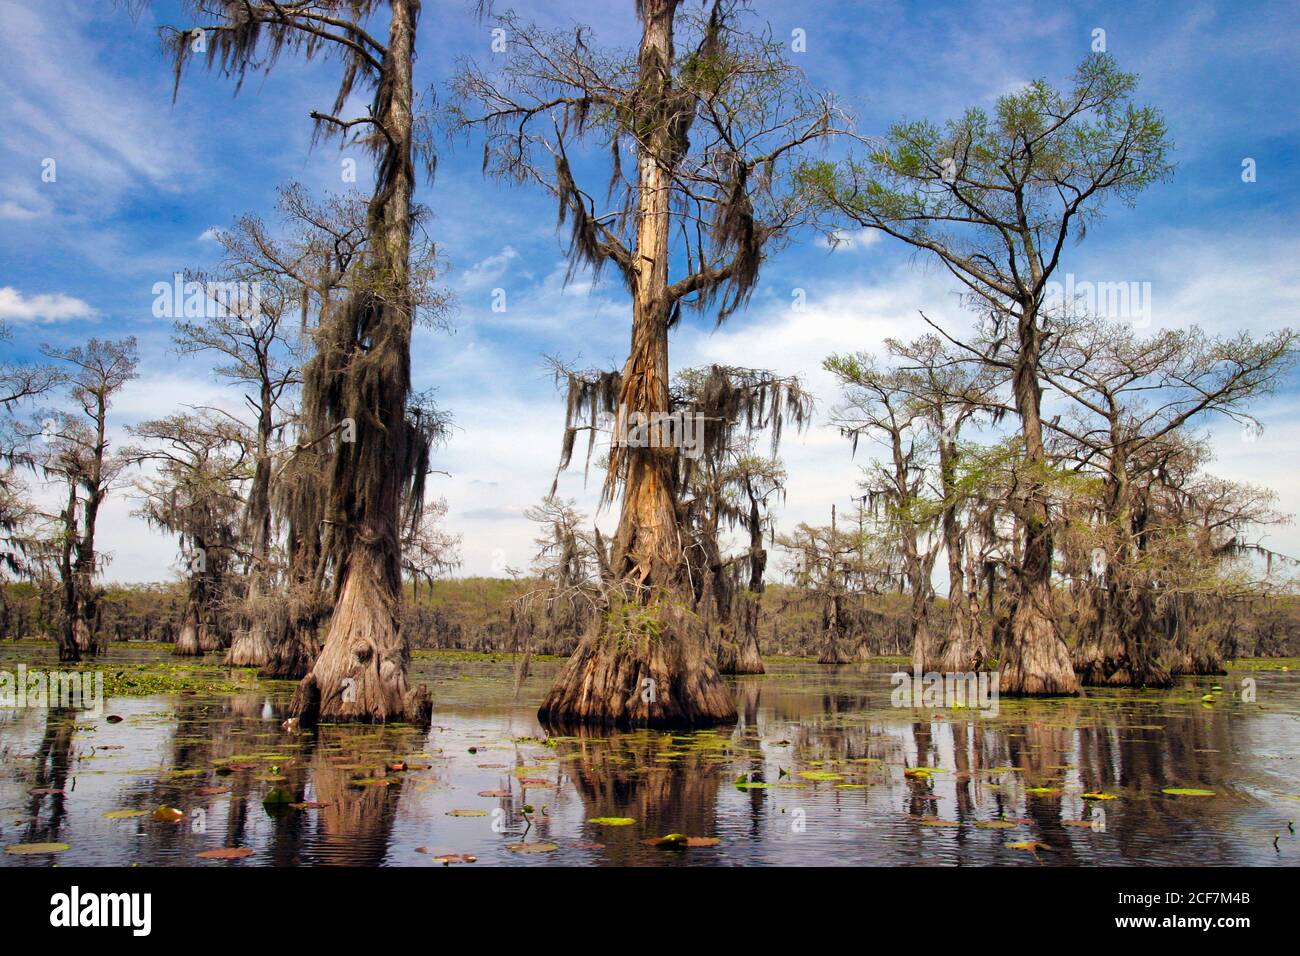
(140, 180)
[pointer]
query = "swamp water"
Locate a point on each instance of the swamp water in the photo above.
(820, 769)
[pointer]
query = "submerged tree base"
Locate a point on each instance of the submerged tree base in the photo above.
(1036, 662)
(641, 666)
(360, 674)
(1099, 666)
(832, 653)
(250, 648)
(291, 656)
(749, 660)
(1198, 662)
(187, 642)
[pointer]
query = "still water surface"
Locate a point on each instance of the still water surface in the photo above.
(821, 759)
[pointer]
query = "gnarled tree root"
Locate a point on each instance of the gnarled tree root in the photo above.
(636, 680)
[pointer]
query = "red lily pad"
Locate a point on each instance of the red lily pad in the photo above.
(227, 853)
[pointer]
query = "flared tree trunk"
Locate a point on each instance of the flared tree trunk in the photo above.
(617, 676)
(361, 671)
(291, 654)
(748, 658)
(187, 641)
(963, 651)
(832, 648)
(250, 647)
(209, 635)
(1035, 660)
(832, 635)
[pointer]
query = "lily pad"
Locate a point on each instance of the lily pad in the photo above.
(1033, 846)
(680, 840)
(1187, 792)
(613, 821)
(532, 847)
(124, 814)
(446, 859)
(226, 853)
(820, 775)
(467, 813)
(30, 849)
(1098, 795)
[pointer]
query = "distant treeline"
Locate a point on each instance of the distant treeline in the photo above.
(476, 614)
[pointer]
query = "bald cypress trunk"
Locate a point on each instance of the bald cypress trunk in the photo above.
(963, 648)
(647, 663)
(1035, 659)
(363, 382)
(69, 647)
(252, 646)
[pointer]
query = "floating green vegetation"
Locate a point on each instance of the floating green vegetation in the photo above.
(31, 849)
(1187, 792)
(454, 655)
(613, 821)
(154, 678)
(820, 775)
(1265, 664)
(532, 847)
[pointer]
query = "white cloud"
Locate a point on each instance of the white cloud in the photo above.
(851, 240)
(489, 269)
(43, 307)
(12, 210)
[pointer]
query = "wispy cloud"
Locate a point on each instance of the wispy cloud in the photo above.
(43, 307)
